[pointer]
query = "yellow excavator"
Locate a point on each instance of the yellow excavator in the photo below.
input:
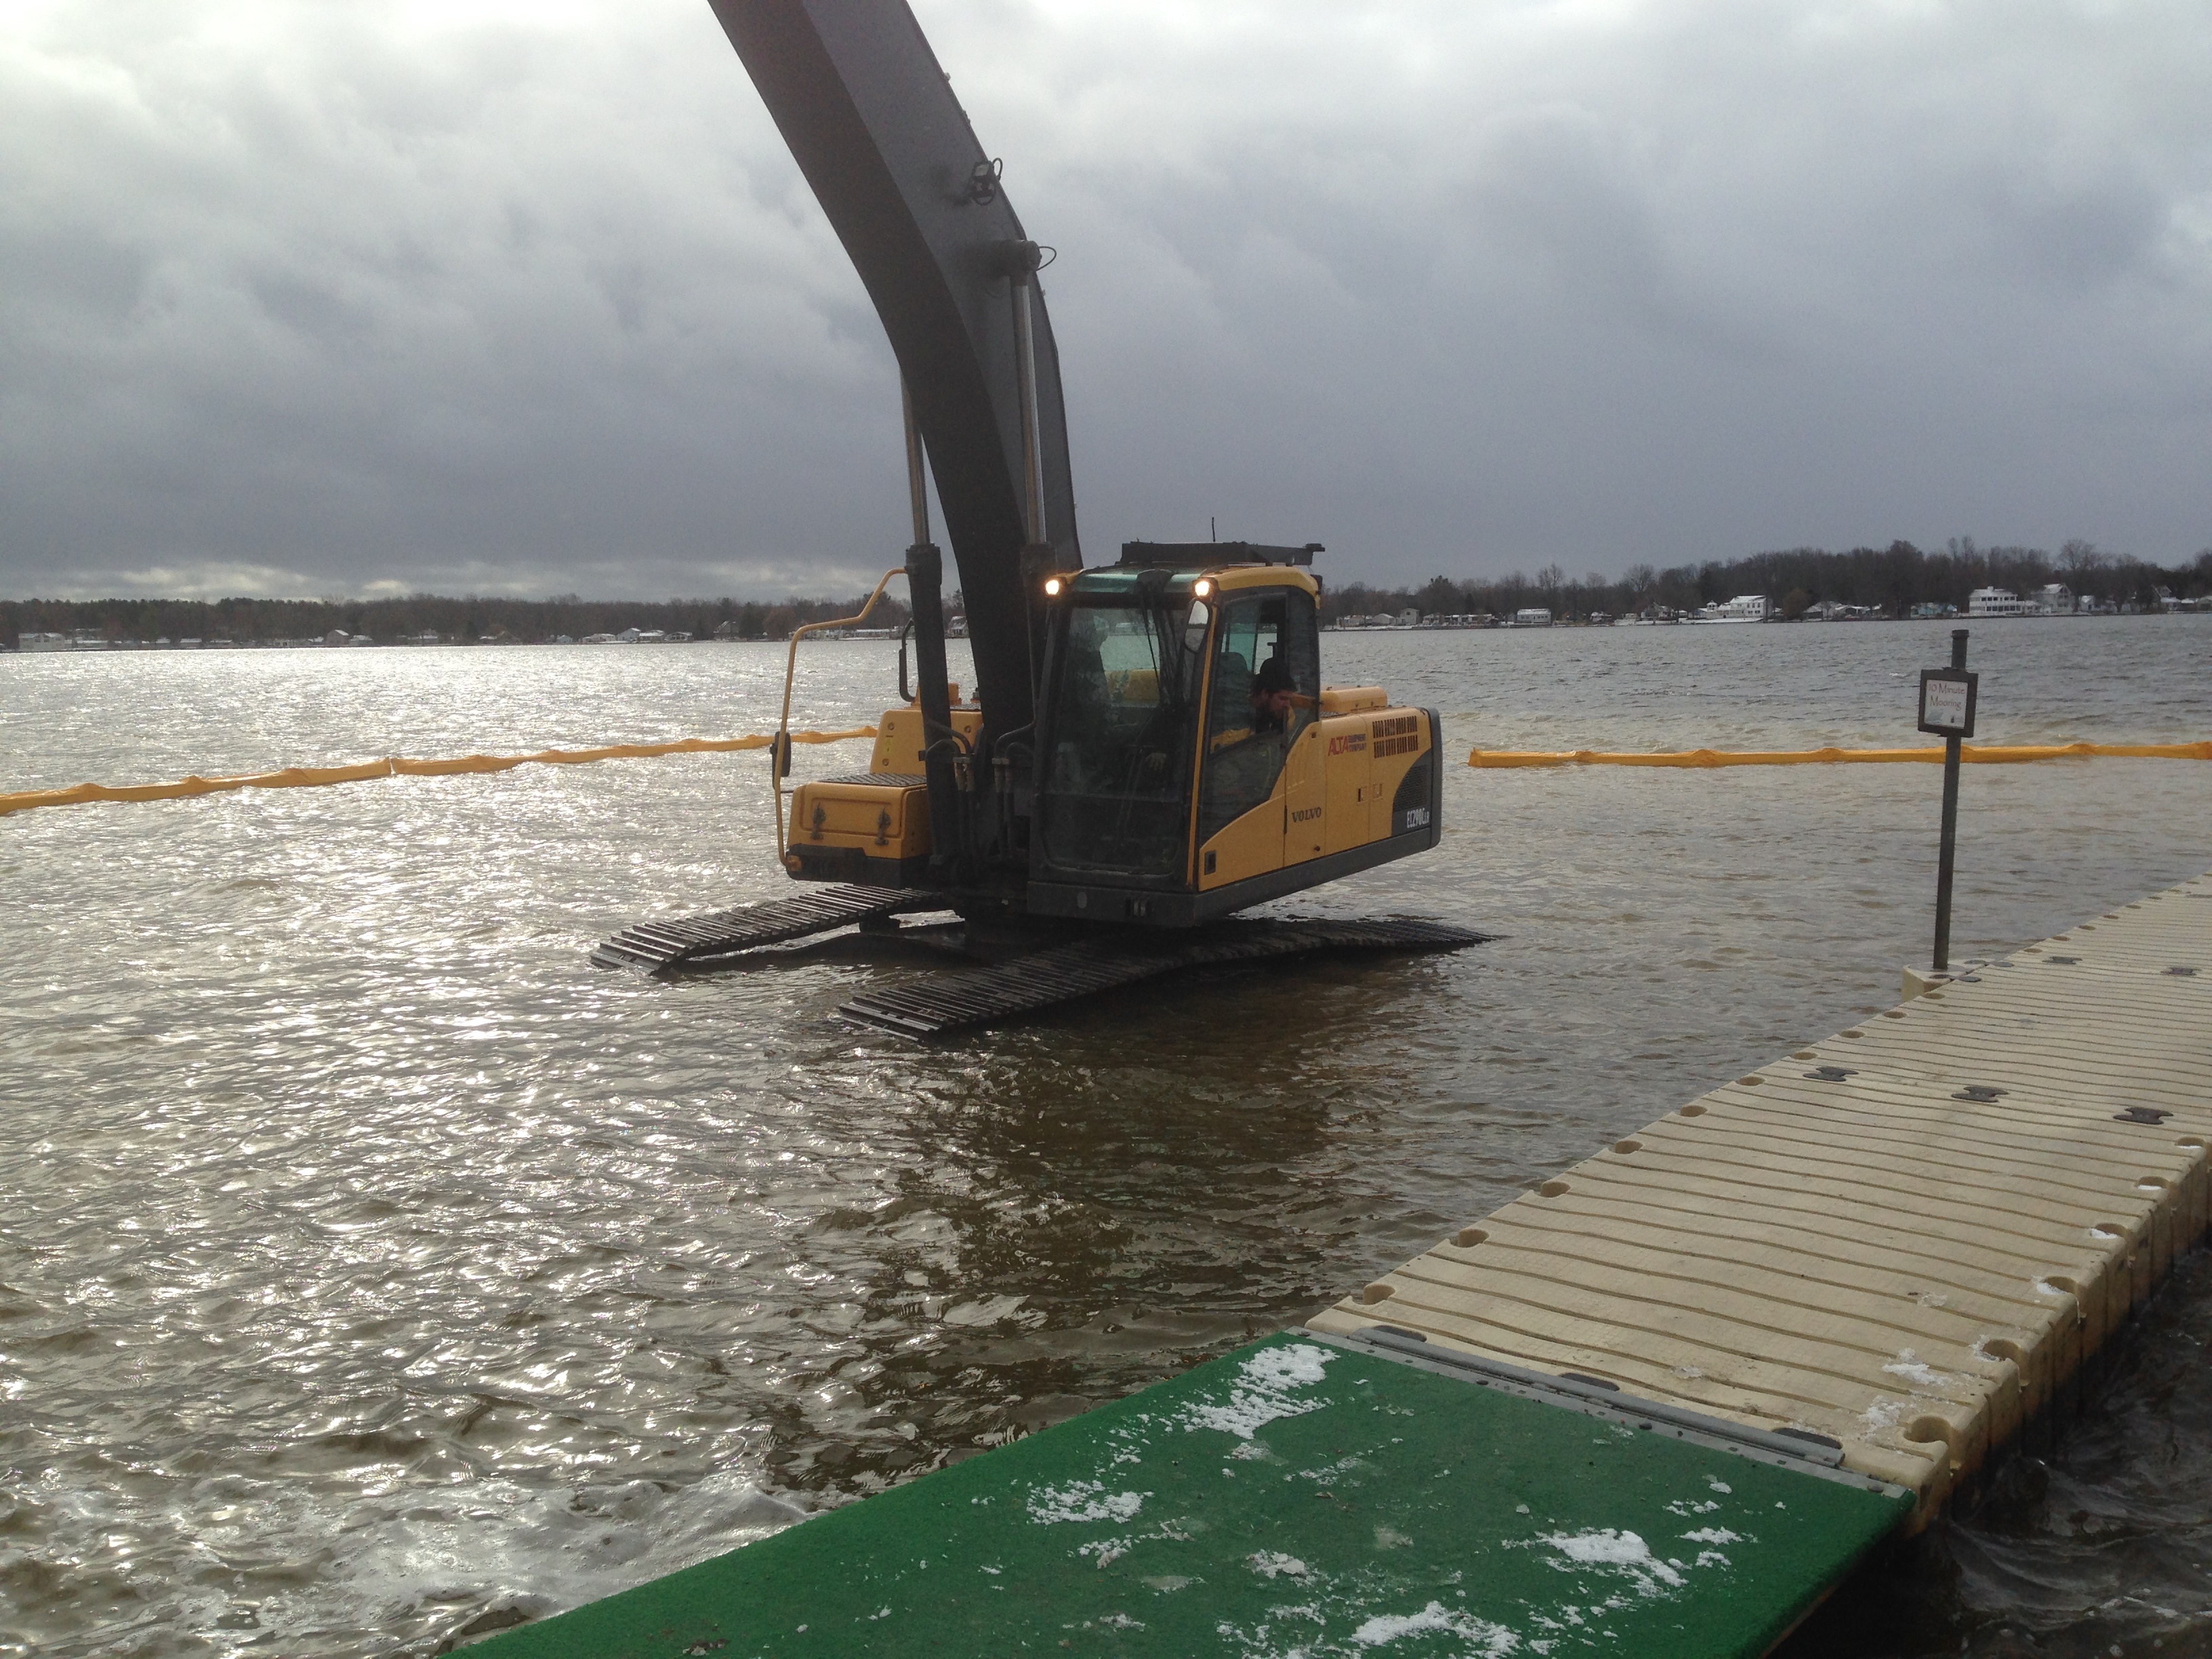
(1187, 761)
(1149, 747)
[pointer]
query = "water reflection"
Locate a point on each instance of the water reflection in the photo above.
(1064, 1221)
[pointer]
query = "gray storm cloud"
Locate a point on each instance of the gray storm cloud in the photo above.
(297, 298)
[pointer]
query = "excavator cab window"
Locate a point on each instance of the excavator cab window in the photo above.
(1116, 775)
(1265, 691)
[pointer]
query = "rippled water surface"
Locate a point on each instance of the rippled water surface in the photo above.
(373, 1270)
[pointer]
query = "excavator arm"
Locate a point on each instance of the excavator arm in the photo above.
(874, 125)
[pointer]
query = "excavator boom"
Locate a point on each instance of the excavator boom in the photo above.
(887, 149)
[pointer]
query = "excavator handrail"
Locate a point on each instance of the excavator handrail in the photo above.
(779, 748)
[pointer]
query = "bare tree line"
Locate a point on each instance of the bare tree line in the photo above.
(1890, 581)
(464, 621)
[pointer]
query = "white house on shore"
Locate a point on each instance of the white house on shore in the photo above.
(1744, 608)
(1999, 602)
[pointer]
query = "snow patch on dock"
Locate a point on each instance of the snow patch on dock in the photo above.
(1266, 1389)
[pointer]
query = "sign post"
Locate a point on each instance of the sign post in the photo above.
(1946, 708)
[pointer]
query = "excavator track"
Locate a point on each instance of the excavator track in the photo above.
(655, 946)
(967, 997)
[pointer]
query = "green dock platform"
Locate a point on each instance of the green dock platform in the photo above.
(1306, 1495)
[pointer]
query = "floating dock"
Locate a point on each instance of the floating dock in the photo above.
(1907, 1239)
(1659, 1406)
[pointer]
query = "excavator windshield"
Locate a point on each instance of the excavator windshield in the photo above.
(1117, 770)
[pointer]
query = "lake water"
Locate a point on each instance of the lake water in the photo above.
(373, 1269)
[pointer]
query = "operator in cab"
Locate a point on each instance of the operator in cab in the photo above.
(1244, 760)
(1272, 700)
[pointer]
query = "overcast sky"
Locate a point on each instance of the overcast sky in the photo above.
(526, 295)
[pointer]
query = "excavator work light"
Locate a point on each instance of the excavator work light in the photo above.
(1052, 587)
(1202, 587)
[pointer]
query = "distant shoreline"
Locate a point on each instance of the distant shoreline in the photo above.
(1455, 626)
(64, 645)
(1900, 582)
(422, 619)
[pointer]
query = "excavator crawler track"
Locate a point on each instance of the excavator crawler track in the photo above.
(656, 946)
(966, 997)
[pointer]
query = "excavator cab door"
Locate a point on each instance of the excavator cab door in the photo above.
(1262, 695)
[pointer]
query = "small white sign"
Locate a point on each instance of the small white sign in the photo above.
(1943, 704)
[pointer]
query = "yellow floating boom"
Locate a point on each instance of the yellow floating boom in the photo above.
(1985, 755)
(312, 777)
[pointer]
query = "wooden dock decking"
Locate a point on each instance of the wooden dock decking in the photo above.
(1908, 1238)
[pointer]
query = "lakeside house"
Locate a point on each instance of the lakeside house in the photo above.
(1744, 608)
(1997, 602)
(2054, 600)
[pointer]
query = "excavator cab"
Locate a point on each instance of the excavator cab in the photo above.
(1189, 762)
